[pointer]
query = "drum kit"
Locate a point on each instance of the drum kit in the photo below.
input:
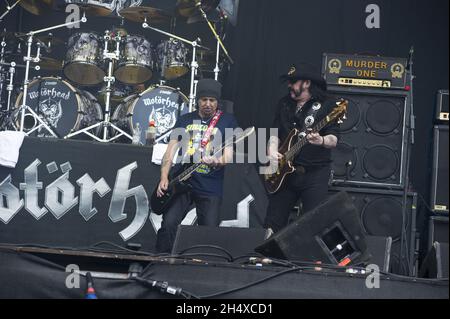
(51, 106)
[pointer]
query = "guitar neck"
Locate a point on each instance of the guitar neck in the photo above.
(191, 169)
(293, 151)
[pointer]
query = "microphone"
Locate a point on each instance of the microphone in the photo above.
(90, 292)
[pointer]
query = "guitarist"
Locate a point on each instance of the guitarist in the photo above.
(207, 181)
(306, 100)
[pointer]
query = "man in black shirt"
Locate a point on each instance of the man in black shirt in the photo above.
(207, 181)
(305, 105)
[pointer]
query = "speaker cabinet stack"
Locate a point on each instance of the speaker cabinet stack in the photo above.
(370, 161)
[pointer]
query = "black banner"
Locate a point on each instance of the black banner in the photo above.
(76, 194)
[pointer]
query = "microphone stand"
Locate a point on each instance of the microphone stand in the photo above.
(410, 142)
(203, 13)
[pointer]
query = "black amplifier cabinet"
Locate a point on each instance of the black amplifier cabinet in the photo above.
(374, 138)
(439, 179)
(442, 106)
(364, 71)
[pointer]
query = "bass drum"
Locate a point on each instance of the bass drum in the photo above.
(64, 108)
(162, 104)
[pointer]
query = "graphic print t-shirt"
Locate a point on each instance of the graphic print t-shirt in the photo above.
(206, 180)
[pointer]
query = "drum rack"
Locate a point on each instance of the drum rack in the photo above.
(109, 79)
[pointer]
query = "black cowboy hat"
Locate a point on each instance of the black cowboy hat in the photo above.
(304, 71)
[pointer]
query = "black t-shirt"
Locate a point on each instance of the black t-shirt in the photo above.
(286, 118)
(205, 180)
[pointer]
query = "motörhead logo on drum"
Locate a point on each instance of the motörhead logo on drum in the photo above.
(161, 104)
(60, 105)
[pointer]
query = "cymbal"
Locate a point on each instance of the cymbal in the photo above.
(93, 9)
(50, 64)
(50, 38)
(139, 14)
(8, 35)
(37, 7)
(188, 8)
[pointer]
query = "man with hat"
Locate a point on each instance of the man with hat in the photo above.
(197, 133)
(305, 104)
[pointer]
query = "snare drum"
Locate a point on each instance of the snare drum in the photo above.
(60, 105)
(84, 59)
(172, 59)
(136, 60)
(162, 104)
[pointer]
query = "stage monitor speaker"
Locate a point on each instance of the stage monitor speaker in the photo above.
(437, 230)
(435, 265)
(381, 214)
(331, 233)
(442, 106)
(380, 250)
(236, 241)
(439, 179)
(373, 139)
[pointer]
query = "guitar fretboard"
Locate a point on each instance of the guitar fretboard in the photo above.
(293, 151)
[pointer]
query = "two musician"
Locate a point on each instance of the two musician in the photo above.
(305, 104)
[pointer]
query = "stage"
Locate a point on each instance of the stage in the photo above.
(43, 275)
(84, 203)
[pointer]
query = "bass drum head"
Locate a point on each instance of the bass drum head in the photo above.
(55, 101)
(162, 104)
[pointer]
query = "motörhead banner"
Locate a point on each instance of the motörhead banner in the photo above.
(66, 193)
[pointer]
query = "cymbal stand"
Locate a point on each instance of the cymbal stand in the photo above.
(2, 77)
(194, 63)
(28, 59)
(10, 86)
(8, 9)
(109, 79)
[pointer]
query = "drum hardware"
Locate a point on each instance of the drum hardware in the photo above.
(28, 59)
(194, 65)
(10, 86)
(92, 7)
(8, 9)
(109, 79)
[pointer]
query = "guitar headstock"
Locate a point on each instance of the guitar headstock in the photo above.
(339, 112)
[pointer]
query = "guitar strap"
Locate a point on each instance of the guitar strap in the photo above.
(207, 136)
(311, 116)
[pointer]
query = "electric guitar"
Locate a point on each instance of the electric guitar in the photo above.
(178, 185)
(294, 143)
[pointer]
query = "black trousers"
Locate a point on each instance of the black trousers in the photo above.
(311, 187)
(208, 214)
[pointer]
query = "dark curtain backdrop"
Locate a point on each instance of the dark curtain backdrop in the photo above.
(272, 34)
